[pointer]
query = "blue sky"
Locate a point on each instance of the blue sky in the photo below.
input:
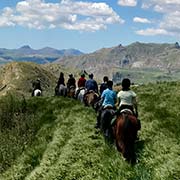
(87, 25)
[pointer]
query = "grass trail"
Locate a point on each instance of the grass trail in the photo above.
(63, 143)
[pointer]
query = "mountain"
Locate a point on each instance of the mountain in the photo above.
(123, 60)
(141, 62)
(41, 56)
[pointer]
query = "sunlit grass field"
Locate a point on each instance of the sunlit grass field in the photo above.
(53, 138)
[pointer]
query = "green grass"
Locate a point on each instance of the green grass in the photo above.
(145, 76)
(53, 138)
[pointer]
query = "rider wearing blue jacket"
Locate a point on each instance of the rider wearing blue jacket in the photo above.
(108, 99)
(109, 96)
(91, 84)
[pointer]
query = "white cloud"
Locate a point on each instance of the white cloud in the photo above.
(141, 20)
(68, 14)
(171, 22)
(170, 12)
(152, 32)
(162, 6)
(127, 2)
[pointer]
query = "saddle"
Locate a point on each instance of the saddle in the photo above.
(108, 107)
(81, 88)
(72, 87)
(126, 111)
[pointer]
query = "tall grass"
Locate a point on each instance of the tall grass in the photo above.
(53, 138)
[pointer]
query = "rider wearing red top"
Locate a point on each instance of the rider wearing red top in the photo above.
(81, 81)
(81, 84)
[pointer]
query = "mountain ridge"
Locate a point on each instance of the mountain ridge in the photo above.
(41, 56)
(136, 56)
(138, 61)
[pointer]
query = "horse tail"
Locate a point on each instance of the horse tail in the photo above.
(127, 124)
(118, 133)
(129, 138)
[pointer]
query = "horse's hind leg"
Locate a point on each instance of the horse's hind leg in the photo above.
(129, 154)
(120, 146)
(64, 92)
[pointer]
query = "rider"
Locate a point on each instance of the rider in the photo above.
(127, 98)
(81, 81)
(60, 82)
(81, 84)
(71, 82)
(104, 84)
(108, 98)
(91, 84)
(61, 79)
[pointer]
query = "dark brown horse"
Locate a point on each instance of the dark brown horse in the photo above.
(107, 115)
(125, 133)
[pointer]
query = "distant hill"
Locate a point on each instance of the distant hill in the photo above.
(164, 58)
(18, 77)
(41, 56)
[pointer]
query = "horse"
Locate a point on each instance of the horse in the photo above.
(61, 90)
(106, 115)
(37, 92)
(71, 91)
(80, 94)
(90, 98)
(125, 130)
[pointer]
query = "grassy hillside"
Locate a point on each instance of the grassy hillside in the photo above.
(18, 77)
(139, 76)
(53, 138)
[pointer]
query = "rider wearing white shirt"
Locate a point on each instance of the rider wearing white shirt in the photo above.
(127, 98)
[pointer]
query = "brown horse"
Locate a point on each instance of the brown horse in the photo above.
(71, 91)
(90, 98)
(125, 133)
